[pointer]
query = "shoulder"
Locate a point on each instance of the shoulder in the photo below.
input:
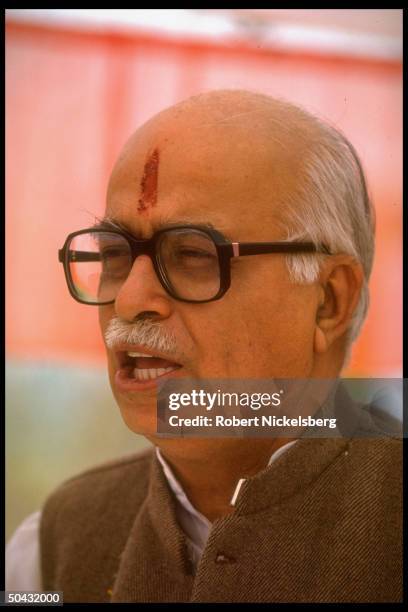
(384, 454)
(373, 483)
(87, 519)
(375, 459)
(91, 488)
(22, 556)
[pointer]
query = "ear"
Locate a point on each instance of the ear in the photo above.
(341, 280)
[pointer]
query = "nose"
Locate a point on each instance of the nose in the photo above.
(142, 292)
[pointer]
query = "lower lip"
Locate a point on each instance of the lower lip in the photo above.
(125, 383)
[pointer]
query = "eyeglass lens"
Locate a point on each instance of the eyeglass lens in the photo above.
(100, 262)
(189, 261)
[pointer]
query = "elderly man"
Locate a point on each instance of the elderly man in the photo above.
(205, 519)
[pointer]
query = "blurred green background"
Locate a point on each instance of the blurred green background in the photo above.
(59, 421)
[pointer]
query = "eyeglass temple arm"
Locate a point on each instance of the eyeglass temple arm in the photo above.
(79, 256)
(240, 249)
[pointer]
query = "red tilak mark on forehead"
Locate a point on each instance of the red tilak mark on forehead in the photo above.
(148, 184)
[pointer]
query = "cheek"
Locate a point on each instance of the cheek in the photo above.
(210, 328)
(285, 330)
(258, 332)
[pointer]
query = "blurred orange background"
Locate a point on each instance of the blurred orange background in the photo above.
(74, 97)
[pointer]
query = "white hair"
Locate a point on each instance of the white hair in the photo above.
(331, 206)
(143, 331)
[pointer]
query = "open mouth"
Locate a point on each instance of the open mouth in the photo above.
(142, 367)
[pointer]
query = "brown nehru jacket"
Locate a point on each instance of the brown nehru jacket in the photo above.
(323, 523)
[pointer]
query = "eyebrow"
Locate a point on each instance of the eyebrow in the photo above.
(110, 223)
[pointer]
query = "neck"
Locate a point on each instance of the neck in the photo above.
(209, 470)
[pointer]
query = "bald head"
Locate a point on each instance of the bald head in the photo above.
(248, 140)
(238, 109)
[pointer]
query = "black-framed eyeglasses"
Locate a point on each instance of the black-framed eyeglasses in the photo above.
(191, 262)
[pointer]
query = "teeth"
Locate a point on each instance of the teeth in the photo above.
(150, 373)
(135, 354)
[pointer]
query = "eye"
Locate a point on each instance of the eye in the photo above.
(186, 257)
(113, 252)
(193, 253)
(115, 260)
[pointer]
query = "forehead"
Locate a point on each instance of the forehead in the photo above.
(225, 175)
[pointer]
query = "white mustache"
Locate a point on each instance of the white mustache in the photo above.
(145, 332)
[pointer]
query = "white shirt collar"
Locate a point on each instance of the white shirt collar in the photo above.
(182, 497)
(178, 490)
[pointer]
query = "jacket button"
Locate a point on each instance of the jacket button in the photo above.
(222, 558)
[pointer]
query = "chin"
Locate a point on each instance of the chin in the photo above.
(141, 418)
(142, 424)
